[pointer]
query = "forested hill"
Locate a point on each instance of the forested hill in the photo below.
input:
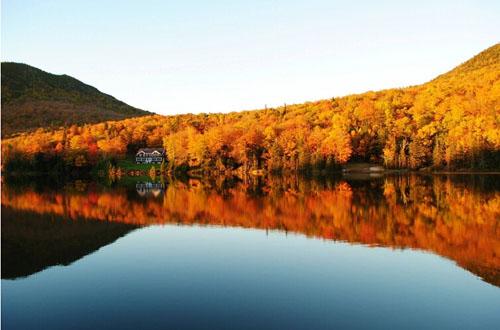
(487, 60)
(452, 121)
(32, 98)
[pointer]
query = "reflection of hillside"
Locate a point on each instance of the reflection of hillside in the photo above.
(455, 220)
(32, 242)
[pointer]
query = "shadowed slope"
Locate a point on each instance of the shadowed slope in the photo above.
(33, 98)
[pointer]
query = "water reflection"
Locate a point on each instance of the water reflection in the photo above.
(145, 189)
(456, 217)
(32, 242)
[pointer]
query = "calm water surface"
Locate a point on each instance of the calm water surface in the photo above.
(282, 253)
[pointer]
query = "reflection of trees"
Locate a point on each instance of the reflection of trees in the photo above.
(458, 220)
(32, 242)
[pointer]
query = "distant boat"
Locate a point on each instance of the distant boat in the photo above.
(363, 168)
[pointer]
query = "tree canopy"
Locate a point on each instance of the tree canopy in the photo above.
(450, 121)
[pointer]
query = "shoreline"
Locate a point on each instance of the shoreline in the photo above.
(284, 173)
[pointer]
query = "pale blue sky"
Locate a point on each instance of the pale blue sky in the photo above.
(218, 56)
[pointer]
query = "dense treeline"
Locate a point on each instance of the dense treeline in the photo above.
(452, 121)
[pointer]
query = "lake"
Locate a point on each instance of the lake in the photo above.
(383, 252)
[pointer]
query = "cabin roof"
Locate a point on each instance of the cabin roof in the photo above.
(150, 150)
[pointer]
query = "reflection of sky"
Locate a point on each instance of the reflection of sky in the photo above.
(208, 277)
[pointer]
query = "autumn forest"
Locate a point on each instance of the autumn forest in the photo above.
(451, 122)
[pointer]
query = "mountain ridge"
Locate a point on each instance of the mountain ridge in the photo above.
(33, 98)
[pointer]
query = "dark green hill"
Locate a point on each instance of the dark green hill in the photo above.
(32, 98)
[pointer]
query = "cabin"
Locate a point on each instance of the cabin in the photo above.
(145, 189)
(150, 156)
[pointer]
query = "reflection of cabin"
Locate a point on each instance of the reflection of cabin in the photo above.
(149, 188)
(150, 156)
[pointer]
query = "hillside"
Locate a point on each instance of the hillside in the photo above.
(452, 121)
(32, 98)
